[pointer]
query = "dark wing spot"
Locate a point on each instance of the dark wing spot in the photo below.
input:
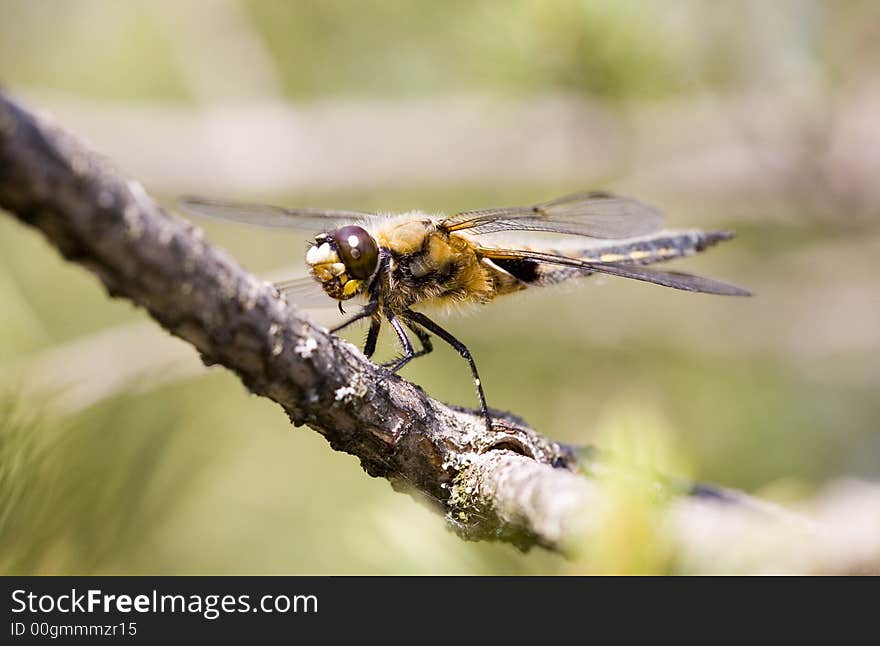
(524, 270)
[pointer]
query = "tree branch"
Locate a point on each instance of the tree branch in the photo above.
(513, 485)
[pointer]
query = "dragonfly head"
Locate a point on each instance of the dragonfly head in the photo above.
(343, 261)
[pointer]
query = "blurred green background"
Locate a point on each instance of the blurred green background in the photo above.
(120, 453)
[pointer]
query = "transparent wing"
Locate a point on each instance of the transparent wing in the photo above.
(305, 292)
(270, 216)
(674, 279)
(593, 214)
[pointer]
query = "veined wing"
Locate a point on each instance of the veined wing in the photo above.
(594, 214)
(270, 216)
(674, 279)
(304, 291)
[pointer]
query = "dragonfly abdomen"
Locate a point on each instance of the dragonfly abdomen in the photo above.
(645, 250)
(666, 245)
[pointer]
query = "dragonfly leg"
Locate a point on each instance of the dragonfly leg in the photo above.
(372, 336)
(367, 311)
(424, 340)
(429, 325)
(408, 352)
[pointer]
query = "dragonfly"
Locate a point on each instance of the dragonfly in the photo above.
(399, 264)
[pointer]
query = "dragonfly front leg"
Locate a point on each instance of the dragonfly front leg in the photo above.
(367, 311)
(372, 336)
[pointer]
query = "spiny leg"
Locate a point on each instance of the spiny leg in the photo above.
(424, 339)
(461, 348)
(372, 336)
(408, 352)
(366, 311)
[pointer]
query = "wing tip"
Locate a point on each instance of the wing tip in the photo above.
(740, 291)
(714, 237)
(721, 288)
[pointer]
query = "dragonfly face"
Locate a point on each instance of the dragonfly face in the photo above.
(343, 261)
(414, 259)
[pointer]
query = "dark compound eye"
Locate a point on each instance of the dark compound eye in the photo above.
(358, 250)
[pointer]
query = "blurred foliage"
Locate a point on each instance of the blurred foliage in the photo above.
(198, 477)
(629, 49)
(104, 49)
(610, 49)
(638, 450)
(59, 481)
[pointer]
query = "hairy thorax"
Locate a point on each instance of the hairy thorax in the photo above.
(431, 266)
